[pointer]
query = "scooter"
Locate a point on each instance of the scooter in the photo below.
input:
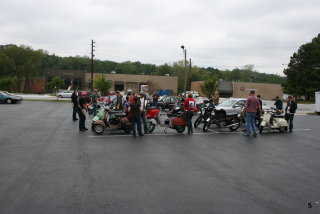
(273, 119)
(175, 121)
(112, 119)
(153, 117)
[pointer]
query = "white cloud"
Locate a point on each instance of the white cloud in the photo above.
(216, 33)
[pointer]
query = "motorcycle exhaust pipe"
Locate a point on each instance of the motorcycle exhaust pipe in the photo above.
(234, 124)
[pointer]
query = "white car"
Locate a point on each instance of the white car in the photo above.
(236, 105)
(64, 94)
(194, 93)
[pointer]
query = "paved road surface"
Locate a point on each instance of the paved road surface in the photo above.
(48, 166)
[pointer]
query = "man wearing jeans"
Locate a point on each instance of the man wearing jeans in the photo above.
(290, 110)
(252, 105)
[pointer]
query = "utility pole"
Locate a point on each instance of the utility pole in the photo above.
(92, 55)
(185, 68)
(190, 68)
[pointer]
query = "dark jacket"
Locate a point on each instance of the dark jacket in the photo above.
(278, 104)
(293, 107)
(74, 98)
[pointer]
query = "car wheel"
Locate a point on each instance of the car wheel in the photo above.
(8, 101)
(98, 129)
(60, 96)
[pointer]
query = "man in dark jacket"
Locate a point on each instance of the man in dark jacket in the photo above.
(278, 103)
(82, 109)
(290, 110)
(74, 100)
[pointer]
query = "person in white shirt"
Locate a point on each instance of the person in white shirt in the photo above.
(143, 102)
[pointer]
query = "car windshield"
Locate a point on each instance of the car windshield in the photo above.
(228, 103)
(7, 93)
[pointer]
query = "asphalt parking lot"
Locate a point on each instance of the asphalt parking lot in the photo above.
(48, 166)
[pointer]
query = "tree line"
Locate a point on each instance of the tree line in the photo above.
(22, 63)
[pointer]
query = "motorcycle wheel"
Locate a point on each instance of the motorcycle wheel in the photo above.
(197, 122)
(127, 129)
(233, 121)
(206, 126)
(180, 129)
(283, 129)
(260, 129)
(98, 129)
(150, 127)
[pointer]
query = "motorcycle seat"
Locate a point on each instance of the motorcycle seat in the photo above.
(278, 116)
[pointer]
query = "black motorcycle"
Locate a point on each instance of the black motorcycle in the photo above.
(205, 113)
(221, 119)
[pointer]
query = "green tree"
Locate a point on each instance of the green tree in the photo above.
(210, 86)
(102, 85)
(6, 84)
(55, 84)
(303, 72)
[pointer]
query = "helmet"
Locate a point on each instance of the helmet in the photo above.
(84, 93)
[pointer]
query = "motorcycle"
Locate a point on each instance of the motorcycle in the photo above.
(205, 113)
(107, 118)
(274, 119)
(221, 119)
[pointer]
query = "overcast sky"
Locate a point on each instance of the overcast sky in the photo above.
(218, 33)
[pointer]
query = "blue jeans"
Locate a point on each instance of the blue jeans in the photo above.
(144, 120)
(189, 120)
(250, 123)
(94, 109)
(136, 121)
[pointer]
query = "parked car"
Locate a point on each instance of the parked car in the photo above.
(6, 97)
(194, 93)
(65, 94)
(235, 105)
(167, 102)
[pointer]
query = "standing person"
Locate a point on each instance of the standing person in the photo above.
(190, 108)
(82, 109)
(216, 99)
(290, 110)
(133, 95)
(155, 99)
(135, 116)
(95, 98)
(143, 103)
(252, 105)
(278, 103)
(119, 101)
(74, 100)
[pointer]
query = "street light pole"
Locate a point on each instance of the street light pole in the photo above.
(92, 55)
(185, 70)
